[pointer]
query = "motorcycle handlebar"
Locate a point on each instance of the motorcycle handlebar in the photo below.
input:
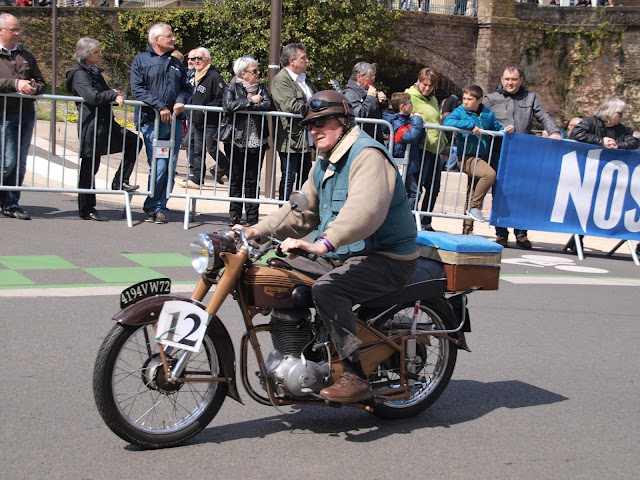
(297, 251)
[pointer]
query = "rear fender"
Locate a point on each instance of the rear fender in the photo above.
(147, 311)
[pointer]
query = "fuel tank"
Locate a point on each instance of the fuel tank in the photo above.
(276, 287)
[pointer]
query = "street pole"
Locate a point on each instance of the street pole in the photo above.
(54, 73)
(274, 67)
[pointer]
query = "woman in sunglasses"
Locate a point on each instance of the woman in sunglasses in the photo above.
(605, 127)
(364, 230)
(247, 93)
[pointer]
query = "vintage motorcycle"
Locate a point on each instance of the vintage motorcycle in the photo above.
(166, 367)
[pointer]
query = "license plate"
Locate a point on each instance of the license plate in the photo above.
(148, 288)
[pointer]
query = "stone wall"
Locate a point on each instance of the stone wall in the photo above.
(572, 57)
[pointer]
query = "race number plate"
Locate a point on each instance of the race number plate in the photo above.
(148, 288)
(182, 324)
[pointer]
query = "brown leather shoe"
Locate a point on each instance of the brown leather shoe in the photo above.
(350, 388)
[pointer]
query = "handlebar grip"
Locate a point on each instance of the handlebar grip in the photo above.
(297, 251)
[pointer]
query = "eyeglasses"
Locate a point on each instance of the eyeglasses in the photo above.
(12, 30)
(317, 122)
(319, 105)
(193, 59)
(171, 35)
(407, 103)
(255, 71)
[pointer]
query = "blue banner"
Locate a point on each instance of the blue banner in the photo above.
(569, 187)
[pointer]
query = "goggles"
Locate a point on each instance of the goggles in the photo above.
(318, 105)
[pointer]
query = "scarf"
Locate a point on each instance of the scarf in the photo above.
(200, 74)
(251, 88)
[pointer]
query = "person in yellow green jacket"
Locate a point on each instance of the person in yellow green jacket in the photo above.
(426, 105)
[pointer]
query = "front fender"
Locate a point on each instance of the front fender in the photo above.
(147, 311)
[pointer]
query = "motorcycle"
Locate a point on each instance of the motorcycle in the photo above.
(167, 365)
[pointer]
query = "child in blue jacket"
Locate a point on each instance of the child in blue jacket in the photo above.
(474, 149)
(408, 130)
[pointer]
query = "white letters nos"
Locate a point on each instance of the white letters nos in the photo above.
(611, 182)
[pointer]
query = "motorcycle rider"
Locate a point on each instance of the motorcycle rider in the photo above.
(364, 230)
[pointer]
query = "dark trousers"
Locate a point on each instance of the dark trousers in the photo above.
(294, 168)
(205, 139)
(88, 169)
(132, 146)
(357, 280)
(244, 168)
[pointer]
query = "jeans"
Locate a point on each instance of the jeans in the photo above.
(292, 164)
(163, 180)
(15, 138)
(430, 181)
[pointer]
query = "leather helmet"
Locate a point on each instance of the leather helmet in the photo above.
(327, 103)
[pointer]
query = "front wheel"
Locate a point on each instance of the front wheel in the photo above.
(434, 363)
(136, 400)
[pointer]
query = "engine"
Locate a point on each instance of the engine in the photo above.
(293, 374)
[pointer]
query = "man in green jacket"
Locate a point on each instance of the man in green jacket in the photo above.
(290, 91)
(364, 231)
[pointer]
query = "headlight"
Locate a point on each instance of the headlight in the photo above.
(203, 253)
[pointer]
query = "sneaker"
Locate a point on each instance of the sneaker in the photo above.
(221, 173)
(350, 388)
(500, 240)
(150, 216)
(161, 218)
(190, 184)
(523, 242)
(476, 214)
(16, 212)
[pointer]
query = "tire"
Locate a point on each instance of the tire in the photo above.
(134, 401)
(438, 362)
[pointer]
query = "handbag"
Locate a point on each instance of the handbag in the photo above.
(224, 132)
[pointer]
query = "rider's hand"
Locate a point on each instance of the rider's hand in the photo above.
(319, 248)
(249, 232)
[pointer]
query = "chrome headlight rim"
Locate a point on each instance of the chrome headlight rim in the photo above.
(203, 253)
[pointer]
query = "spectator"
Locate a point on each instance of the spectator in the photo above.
(209, 89)
(160, 81)
(191, 75)
(605, 129)
(365, 100)
(98, 131)
(450, 153)
(290, 91)
(19, 73)
(426, 105)
(408, 128)
(251, 136)
(570, 126)
(474, 149)
(513, 105)
(371, 233)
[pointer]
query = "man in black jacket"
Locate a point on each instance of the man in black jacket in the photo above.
(160, 81)
(209, 90)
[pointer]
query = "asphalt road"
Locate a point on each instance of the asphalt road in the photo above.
(549, 390)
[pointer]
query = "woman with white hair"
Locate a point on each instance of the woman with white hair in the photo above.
(246, 93)
(605, 129)
(98, 131)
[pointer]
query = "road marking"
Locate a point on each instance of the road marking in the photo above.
(83, 291)
(560, 280)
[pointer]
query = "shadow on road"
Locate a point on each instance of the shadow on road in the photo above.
(464, 400)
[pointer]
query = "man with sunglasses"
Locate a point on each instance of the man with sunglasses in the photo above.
(290, 91)
(364, 231)
(208, 91)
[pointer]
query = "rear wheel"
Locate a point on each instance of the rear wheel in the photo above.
(434, 363)
(136, 400)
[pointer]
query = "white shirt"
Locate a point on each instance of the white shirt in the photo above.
(301, 81)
